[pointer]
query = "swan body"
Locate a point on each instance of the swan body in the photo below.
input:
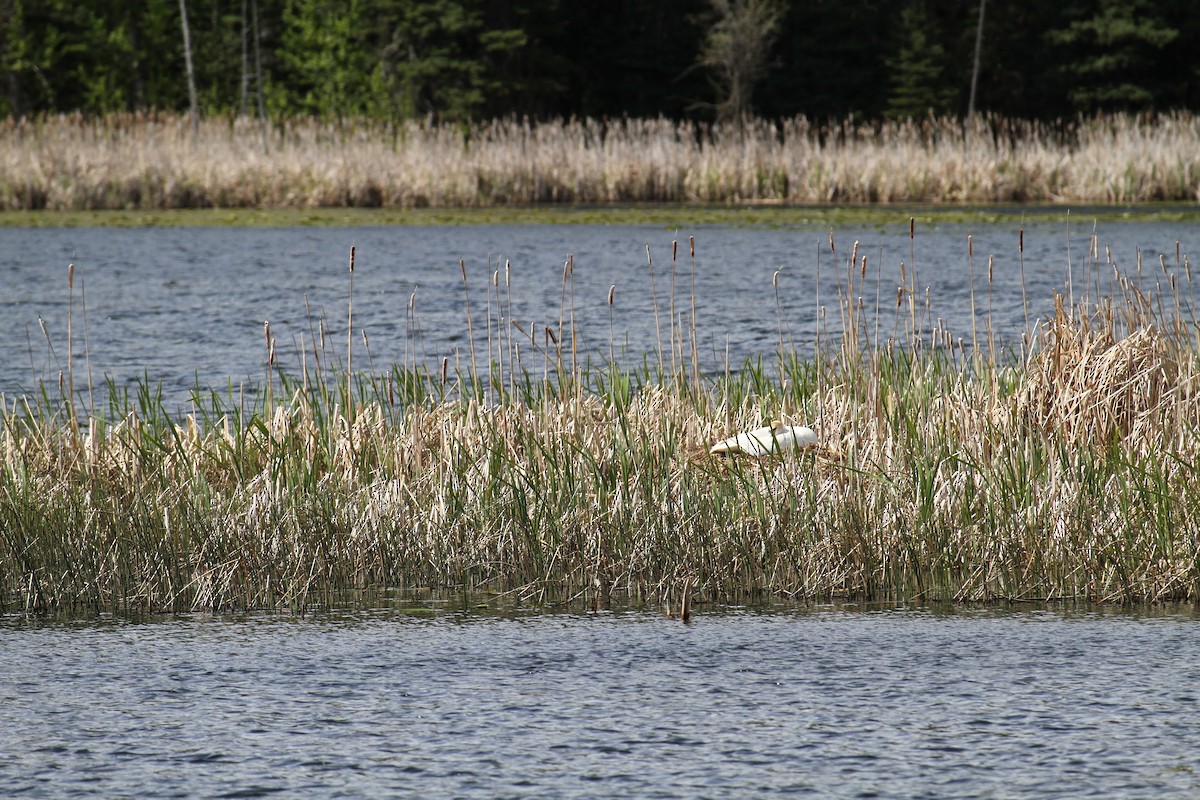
(776, 438)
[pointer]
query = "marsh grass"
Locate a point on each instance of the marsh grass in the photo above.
(155, 162)
(1064, 470)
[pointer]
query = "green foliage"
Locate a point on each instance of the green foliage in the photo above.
(438, 58)
(470, 60)
(737, 49)
(1115, 50)
(920, 70)
(322, 58)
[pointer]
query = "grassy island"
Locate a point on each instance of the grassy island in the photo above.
(1067, 469)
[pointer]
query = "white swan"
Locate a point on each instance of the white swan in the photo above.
(764, 441)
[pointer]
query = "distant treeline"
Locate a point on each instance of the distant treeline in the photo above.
(460, 60)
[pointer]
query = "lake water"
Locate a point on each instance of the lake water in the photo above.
(949, 703)
(822, 702)
(187, 305)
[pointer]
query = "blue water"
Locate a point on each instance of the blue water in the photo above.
(187, 306)
(900, 703)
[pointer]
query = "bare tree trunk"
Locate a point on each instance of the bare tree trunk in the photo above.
(191, 74)
(975, 70)
(245, 61)
(258, 78)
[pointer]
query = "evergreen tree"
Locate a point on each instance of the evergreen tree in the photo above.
(920, 74)
(322, 59)
(1113, 53)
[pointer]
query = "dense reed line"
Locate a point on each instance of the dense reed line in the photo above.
(1068, 470)
(155, 162)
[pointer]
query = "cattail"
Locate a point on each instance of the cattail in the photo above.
(445, 368)
(1021, 240)
(991, 260)
(692, 245)
(611, 290)
(775, 279)
(507, 281)
(831, 248)
(912, 228)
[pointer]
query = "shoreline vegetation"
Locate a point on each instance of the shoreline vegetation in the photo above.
(946, 469)
(158, 162)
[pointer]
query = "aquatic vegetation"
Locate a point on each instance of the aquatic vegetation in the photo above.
(156, 161)
(945, 469)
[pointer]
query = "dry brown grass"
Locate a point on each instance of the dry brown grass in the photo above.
(153, 162)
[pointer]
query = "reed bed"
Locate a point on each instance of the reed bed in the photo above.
(154, 161)
(1067, 470)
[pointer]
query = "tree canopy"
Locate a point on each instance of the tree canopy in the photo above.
(458, 60)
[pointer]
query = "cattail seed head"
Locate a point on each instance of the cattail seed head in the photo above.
(1020, 240)
(991, 261)
(462, 267)
(970, 245)
(445, 368)
(912, 227)
(692, 245)
(352, 259)
(674, 248)
(611, 290)
(775, 279)
(71, 271)
(506, 273)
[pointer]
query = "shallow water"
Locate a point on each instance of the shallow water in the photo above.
(187, 305)
(822, 702)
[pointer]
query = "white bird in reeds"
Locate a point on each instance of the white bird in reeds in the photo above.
(775, 438)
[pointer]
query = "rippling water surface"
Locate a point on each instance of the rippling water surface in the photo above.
(186, 306)
(823, 703)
